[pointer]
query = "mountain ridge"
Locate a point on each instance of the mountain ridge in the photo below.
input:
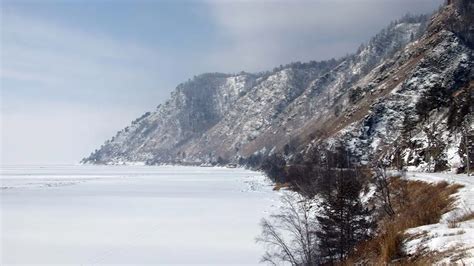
(358, 99)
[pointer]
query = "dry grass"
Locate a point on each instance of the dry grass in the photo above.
(279, 186)
(416, 203)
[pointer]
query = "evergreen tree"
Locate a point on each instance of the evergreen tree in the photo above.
(274, 166)
(343, 220)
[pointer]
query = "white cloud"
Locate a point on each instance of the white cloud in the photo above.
(58, 59)
(263, 34)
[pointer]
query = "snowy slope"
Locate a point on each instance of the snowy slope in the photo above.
(411, 110)
(454, 242)
(408, 85)
(230, 116)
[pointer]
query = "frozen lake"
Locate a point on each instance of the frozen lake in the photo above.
(94, 215)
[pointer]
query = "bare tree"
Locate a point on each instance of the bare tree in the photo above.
(290, 235)
(382, 192)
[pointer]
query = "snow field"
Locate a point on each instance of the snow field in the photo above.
(94, 215)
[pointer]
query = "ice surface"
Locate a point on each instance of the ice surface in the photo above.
(94, 215)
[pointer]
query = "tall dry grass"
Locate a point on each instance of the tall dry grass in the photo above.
(415, 203)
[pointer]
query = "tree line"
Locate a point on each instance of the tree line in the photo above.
(323, 218)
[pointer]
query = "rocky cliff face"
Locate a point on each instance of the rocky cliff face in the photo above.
(407, 85)
(422, 101)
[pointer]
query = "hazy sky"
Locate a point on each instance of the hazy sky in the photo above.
(75, 72)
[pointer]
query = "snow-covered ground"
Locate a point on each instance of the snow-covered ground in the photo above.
(93, 215)
(454, 241)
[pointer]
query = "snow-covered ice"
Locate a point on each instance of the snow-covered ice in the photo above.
(93, 215)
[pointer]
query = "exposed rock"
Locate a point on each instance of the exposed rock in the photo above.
(406, 82)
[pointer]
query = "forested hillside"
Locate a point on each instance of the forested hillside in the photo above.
(408, 85)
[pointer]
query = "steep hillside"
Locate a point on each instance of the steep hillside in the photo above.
(407, 83)
(416, 106)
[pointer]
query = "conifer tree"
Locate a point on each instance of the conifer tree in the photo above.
(343, 219)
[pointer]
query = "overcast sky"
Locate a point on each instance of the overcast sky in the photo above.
(75, 72)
